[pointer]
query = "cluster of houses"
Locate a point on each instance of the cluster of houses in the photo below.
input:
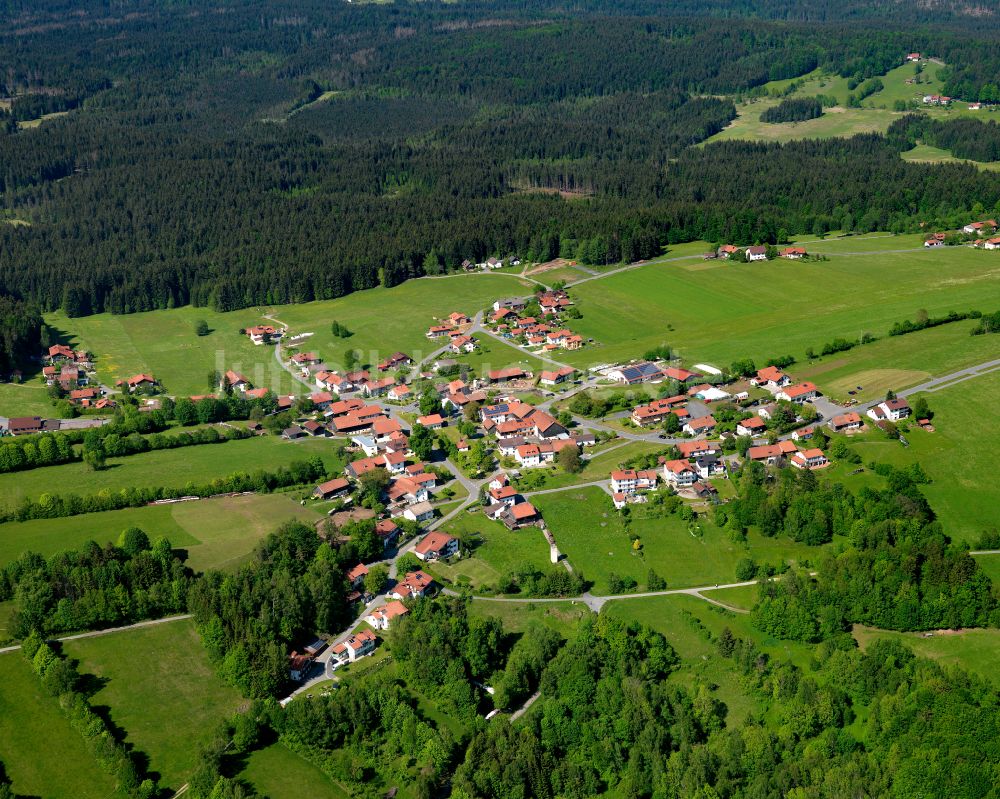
(986, 228)
(455, 327)
(757, 252)
(508, 320)
(72, 371)
(940, 99)
(489, 264)
(506, 505)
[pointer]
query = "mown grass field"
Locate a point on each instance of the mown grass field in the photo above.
(215, 533)
(974, 650)
(25, 399)
(43, 754)
(925, 154)
(563, 617)
(278, 773)
(159, 687)
(593, 537)
(716, 319)
(381, 320)
(171, 467)
(959, 455)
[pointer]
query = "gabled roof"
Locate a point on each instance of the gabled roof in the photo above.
(434, 541)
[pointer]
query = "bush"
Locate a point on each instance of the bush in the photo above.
(746, 569)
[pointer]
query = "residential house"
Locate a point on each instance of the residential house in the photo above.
(138, 382)
(754, 426)
(458, 319)
(709, 466)
(798, 393)
(237, 381)
(988, 226)
(460, 344)
(703, 425)
(629, 481)
(658, 410)
(692, 449)
(680, 375)
(399, 393)
(771, 453)
(892, 410)
(414, 585)
(992, 244)
(419, 512)
(438, 331)
(771, 377)
(793, 253)
(757, 253)
(356, 576)
(433, 421)
(557, 376)
(803, 433)
(520, 515)
(846, 421)
(508, 373)
(509, 304)
(809, 459)
(395, 361)
(388, 531)
(382, 618)
(436, 545)
(728, 250)
(355, 647)
(293, 433)
(299, 666)
(679, 473)
(263, 334)
(322, 400)
(60, 352)
(377, 388)
(24, 425)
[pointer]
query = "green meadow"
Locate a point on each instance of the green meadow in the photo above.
(278, 773)
(958, 456)
(43, 754)
(719, 311)
(25, 399)
(158, 686)
(174, 468)
(215, 533)
(495, 550)
(592, 535)
(925, 154)
(381, 321)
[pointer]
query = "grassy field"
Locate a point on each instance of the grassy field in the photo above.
(43, 754)
(806, 304)
(496, 550)
(160, 688)
(592, 535)
(958, 455)
(216, 533)
(897, 362)
(493, 354)
(278, 773)
(604, 461)
(24, 399)
(925, 154)
(562, 617)
(171, 467)
(974, 650)
(382, 321)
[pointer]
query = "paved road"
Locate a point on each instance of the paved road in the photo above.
(110, 630)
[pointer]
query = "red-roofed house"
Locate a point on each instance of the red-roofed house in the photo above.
(700, 426)
(355, 647)
(436, 545)
(771, 377)
(332, 488)
(629, 481)
(754, 426)
(414, 585)
(798, 393)
(356, 576)
(382, 618)
(679, 473)
(809, 459)
(846, 421)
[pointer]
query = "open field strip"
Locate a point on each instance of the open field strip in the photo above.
(42, 753)
(174, 468)
(164, 693)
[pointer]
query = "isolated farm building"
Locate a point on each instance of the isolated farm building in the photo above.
(757, 253)
(292, 433)
(981, 227)
(793, 253)
(137, 382)
(24, 425)
(262, 334)
(728, 250)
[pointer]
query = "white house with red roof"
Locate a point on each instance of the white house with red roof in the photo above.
(846, 421)
(436, 545)
(414, 585)
(700, 426)
(799, 393)
(630, 481)
(771, 377)
(356, 646)
(891, 410)
(809, 459)
(263, 334)
(679, 473)
(754, 426)
(383, 617)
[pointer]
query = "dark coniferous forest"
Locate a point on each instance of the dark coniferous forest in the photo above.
(243, 153)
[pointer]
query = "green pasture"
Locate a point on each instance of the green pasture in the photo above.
(563, 617)
(278, 773)
(958, 456)
(592, 535)
(215, 533)
(42, 753)
(925, 154)
(173, 468)
(715, 317)
(158, 686)
(381, 320)
(495, 550)
(25, 399)
(974, 650)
